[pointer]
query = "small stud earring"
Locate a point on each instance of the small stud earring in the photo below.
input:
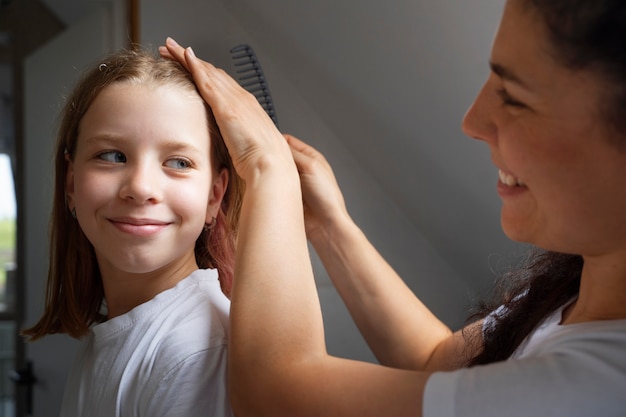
(73, 211)
(209, 226)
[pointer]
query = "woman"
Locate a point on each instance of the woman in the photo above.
(552, 113)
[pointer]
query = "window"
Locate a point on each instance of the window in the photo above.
(7, 234)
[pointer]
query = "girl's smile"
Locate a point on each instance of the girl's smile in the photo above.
(142, 178)
(139, 227)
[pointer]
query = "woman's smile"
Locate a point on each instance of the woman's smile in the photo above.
(509, 180)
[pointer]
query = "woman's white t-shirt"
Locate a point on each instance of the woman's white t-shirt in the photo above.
(574, 370)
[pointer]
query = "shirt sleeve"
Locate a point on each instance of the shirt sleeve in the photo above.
(557, 384)
(439, 394)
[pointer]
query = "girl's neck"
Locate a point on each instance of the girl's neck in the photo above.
(124, 291)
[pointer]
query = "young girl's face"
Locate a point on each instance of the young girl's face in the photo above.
(142, 181)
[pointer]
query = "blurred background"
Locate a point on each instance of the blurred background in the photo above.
(379, 87)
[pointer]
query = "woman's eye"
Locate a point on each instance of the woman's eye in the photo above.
(178, 163)
(112, 156)
(507, 100)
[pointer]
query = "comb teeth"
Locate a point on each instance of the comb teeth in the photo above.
(251, 77)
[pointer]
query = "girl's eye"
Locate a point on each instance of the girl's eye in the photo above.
(178, 163)
(507, 100)
(113, 156)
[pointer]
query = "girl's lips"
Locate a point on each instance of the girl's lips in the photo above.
(138, 221)
(139, 227)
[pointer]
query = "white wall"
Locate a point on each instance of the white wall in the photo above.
(213, 30)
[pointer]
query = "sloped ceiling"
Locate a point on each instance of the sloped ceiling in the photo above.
(393, 80)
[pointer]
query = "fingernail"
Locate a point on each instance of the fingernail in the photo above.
(171, 41)
(191, 52)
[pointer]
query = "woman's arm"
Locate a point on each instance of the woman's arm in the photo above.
(397, 326)
(277, 358)
(278, 365)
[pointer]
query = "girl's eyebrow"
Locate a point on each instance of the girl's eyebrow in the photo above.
(183, 146)
(508, 75)
(171, 145)
(102, 138)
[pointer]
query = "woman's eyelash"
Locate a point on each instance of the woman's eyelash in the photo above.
(507, 100)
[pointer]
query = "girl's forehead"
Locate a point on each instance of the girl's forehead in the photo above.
(147, 106)
(150, 84)
(157, 90)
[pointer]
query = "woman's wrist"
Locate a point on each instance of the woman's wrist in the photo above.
(333, 230)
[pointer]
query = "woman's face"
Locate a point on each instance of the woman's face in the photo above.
(560, 173)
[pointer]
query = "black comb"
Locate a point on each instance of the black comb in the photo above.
(252, 79)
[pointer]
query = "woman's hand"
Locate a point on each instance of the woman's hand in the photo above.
(323, 201)
(251, 137)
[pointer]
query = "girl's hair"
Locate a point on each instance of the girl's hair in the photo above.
(75, 295)
(584, 35)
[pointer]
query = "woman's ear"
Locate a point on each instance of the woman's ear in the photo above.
(69, 183)
(218, 189)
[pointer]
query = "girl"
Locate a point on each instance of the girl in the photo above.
(552, 113)
(143, 231)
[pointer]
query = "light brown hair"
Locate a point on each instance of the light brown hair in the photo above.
(75, 294)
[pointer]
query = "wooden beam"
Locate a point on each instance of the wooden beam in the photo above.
(133, 23)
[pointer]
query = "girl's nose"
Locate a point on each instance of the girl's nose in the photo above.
(142, 184)
(478, 121)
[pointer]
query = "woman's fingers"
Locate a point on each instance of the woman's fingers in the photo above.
(219, 89)
(306, 157)
(321, 194)
(165, 53)
(249, 133)
(172, 50)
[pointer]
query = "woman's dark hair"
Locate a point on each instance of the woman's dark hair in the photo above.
(589, 35)
(543, 282)
(585, 35)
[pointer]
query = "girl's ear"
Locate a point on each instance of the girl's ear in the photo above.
(218, 189)
(69, 183)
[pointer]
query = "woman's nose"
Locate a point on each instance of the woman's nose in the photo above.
(142, 183)
(478, 121)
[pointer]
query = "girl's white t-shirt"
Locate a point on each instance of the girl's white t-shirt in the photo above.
(166, 357)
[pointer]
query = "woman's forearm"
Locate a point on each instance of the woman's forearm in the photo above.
(398, 327)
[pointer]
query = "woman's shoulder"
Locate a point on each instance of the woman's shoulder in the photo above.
(573, 370)
(603, 338)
